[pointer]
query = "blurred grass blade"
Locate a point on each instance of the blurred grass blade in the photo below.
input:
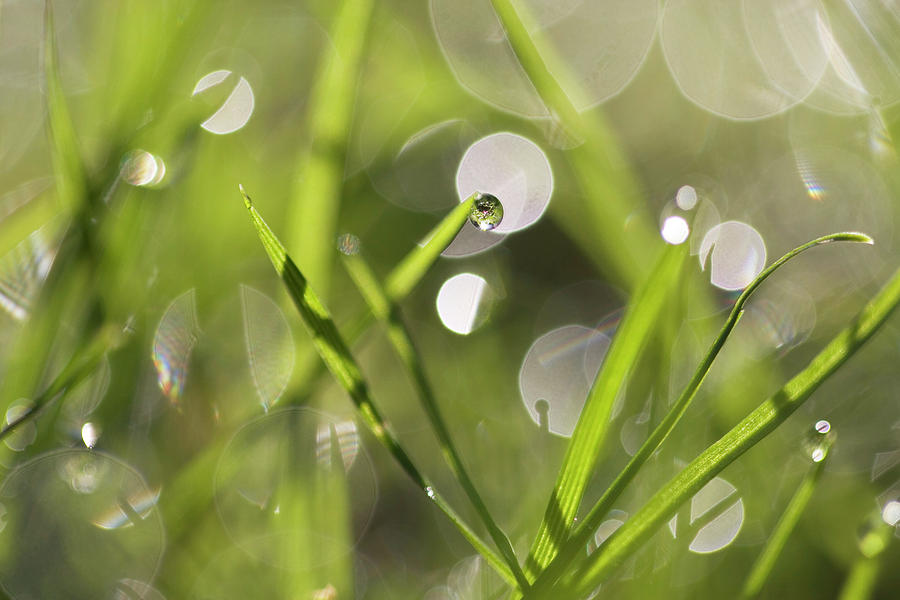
(388, 314)
(409, 271)
(593, 424)
(753, 428)
(864, 575)
(765, 563)
(68, 169)
(336, 356)
(610, 190)
(312, 216)
(598, 512)
(82, 364)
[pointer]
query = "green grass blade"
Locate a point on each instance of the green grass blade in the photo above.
(593, 424)
(81, 365)
(312, 218)
(864, 574)
(765, 563)
(611, 192)
(68, 169)
(336, 356)
(753, 428)
(598, 512)
(409, 271)
(388, 314)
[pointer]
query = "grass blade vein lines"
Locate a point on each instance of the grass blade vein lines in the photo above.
(598, 512)
(336, 356)
(593, 424)
(753, 428)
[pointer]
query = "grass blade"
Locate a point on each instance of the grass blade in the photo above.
(611, 192)
(70, 178)
(409, 271)
(753, 428)
(316, 198)
(765, 563)
(593, 424)
(81, 365)
(336, 356)
(864, 574)
(598, 512)
(388, 314)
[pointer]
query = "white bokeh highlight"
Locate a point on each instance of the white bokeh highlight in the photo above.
(460, 302)
(512, 168)
(237, 109)
(736, 252)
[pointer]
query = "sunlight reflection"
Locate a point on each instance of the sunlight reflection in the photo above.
(737, 254)
(557, 373)
(512, 168)
(237, 108)
(174, 342)
(462, 301)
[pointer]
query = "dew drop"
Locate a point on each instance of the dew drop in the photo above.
(429, 491)
(487, 212)
(818, 441)
(348, 244)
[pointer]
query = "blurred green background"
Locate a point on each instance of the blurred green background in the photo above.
(214, 471)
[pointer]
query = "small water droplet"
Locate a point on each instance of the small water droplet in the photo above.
(348, 244)
(429, 491)
(487, 212)
(818, 441)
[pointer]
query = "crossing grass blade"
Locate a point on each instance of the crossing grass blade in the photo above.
(611, 193)
(336, 356)
(600, 509)
(388, 314)
(593, 425)
(316, 196)
(765, 563)
(751, 430)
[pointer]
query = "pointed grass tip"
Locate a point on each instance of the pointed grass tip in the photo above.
(247, 201)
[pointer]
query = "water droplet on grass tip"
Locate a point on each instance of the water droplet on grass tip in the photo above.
(487, 212)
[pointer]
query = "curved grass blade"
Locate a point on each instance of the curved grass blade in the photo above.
(388, 314)
(765, 563)
(336, 356)
(316, 195)
(598, 512)
(587, 440)
(753, 428)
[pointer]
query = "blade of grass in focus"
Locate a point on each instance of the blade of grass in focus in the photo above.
(598, 512)
(590, 432)
(388, 314)
(336, 355)
(765, 563)
(184, 501)
(312, 214)
(753, 428)
(611, 193)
